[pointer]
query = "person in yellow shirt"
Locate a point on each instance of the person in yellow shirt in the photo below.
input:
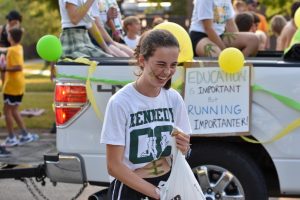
(13, 90)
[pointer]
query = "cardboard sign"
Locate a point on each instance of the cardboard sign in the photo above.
(218, 102)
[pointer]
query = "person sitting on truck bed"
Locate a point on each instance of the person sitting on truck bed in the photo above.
(277, 23)
(139, 120)
(288, 30)
(213, 29)
(77, 19)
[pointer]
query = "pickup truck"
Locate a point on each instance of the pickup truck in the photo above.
(227, 167)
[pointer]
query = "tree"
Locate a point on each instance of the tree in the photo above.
(40, 17)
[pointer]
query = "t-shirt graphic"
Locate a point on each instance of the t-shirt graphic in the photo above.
(221, 13)
(150, 134)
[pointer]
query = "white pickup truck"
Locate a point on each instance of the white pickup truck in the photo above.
(227, 167)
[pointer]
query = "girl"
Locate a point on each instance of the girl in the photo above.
(139, 120)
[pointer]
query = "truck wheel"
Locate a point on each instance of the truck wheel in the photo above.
(225, 172)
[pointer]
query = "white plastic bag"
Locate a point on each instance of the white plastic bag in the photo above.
(182, 184)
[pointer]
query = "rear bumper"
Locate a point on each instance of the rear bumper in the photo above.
(67, 168)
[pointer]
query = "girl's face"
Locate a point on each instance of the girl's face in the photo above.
(160, 67)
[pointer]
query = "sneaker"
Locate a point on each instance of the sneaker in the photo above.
(10, 142)
(4, 153)
(28, 138)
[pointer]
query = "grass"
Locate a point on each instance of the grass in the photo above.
(39, 94)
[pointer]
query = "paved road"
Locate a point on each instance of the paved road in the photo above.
(32, 153)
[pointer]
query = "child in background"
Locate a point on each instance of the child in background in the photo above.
(157, 20)
(132, 27)
(277, 24)
(13, 90)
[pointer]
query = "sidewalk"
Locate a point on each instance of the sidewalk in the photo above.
(31, 153)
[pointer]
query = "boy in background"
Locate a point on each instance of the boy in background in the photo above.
(132, 27)
(13, 90)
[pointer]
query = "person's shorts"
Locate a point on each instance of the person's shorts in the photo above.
(196, 37)
(118, 190)
(12, 99)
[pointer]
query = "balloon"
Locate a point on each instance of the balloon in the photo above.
(184, 40)
(231, 60)
(49, 48)
(297, 18)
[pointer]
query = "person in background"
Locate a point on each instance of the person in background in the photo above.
(262, 36)
(157, 20)
(14, 89)
(77, 19)
(111, 18)
(247, 22)
(239, 6)
(137, 150)
(213, 29)
(244, 21)
(117, 49)
(14, 19)
(252, 6)
(288, 30)
(132, 27)
(277, 24)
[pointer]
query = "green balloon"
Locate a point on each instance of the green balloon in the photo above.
(49, 48)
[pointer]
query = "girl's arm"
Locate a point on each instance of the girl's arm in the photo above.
(121, 172)
(103, 32)
(117, 48)
(75, 13)
(99, 38)
(212, 35)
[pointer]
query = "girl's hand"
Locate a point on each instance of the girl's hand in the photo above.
(182, 141)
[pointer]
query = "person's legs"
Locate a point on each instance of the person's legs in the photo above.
(205, 47)
(18, 119)
(245, 41)
(11, 139)
(7, 110)
(202, 46)
(117, 52)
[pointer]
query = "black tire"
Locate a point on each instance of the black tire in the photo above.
(242, 178)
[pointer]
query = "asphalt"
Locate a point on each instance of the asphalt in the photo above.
(31, 153)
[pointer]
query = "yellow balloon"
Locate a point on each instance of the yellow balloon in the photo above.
(231, 60)
(184, 40)
(297, 18)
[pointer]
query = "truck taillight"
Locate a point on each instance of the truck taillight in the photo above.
(69, 100)
(70, 93)
(63, 115)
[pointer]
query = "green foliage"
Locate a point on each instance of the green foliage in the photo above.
(40, 17)
(179, 7)
(274, 7)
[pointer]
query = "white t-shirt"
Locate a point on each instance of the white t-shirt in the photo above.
(217, 10)
(143, 124)
(130, 42)
(86, 21)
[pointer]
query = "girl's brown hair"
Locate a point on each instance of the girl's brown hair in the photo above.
(152, 40)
